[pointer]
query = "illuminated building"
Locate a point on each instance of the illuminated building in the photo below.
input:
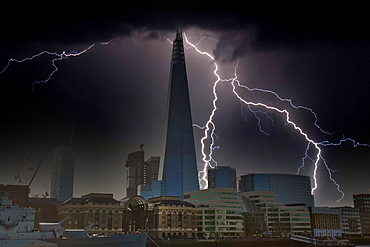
(62, 177)
(178, 167)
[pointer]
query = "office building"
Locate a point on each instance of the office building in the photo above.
(280, 219)
(222, 176)
(362, 203)
(172, 218)
(288, 188)
(140, 172)
(98, 208)
(62, 177)
(178, 166)
(325, 222)
(135, 172)
(219, 212)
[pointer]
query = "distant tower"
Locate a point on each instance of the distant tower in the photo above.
(178, 165)
(62, 177)
(135, 171)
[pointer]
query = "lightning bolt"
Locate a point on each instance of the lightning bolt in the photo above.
(59, 57)
(209, 127)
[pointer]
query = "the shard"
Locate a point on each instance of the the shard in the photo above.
(178, 169)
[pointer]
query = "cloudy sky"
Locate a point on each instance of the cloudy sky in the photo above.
(318, 56)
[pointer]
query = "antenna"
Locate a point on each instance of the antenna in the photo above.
(141, 147)
(71, 141)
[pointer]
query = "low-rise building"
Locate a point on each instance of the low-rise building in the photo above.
(98, 208)
(280, 219)
(350, 222)
(219, 212)
(325, 222)
(169, 217)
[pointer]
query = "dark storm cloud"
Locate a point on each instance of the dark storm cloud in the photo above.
(272, 27)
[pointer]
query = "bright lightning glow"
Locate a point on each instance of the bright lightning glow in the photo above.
(210, 127)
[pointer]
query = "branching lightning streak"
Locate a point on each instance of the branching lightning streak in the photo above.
(210, 126)
(59, 57)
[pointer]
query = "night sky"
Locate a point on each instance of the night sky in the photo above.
(116, 93)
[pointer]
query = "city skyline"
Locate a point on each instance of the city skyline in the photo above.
(116, 95)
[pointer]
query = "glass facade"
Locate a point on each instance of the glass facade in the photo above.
(178, 168)
(288, 188)
(222, 176)
(63, 174)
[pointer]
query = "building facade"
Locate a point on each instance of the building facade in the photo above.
(280, 219)
(288, 188)
(350, 222)
(362, 203)
(219, 212)
(172, 218)
(98, 208)
(325, 222)
(62, 177)
(222, 176)
(178, 166)
(135, 172)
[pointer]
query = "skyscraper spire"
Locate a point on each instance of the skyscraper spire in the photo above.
(178, 168)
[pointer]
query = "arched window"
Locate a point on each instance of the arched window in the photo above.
(163, 212)
(116, 211)
(180, 219)
(90, 211)
(77, 211)
(169, 218)
(70, 211)
(103, 212)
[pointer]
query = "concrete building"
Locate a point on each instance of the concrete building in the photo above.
(350, 222)
(362, 203)
(169, 217)
(219, 212)
(222, 176)
(280, 219)
(98, 208)
(325, 222)
(288, 188)
(62, 177)
(178, 166)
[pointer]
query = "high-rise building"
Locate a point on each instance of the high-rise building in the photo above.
(140, 172)
(135, 172)
(62, 177)
(362, 203)
(178, 166)
(288, 188)
(222, 176)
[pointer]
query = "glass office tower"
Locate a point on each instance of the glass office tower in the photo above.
(288, 188)
(178, 167)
